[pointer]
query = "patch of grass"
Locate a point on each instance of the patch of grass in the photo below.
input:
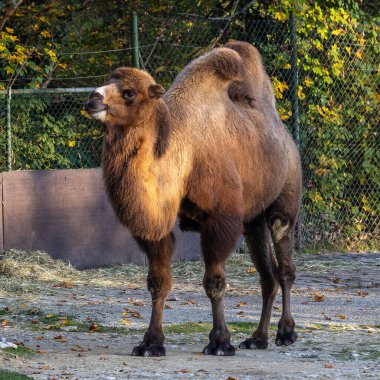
(4, 312)
(195, 328)
(371, 354)
(187, 328)
(7, 375)
(19, 351)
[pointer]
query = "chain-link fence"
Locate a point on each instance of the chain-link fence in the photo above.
(327, 94)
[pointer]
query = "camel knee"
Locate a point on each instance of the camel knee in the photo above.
(159, 286)
(269, 284)
(215, 287)
(287, 273)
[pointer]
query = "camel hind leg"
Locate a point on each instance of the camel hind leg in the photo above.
(219, 235)
(282, 223)
(258, 239)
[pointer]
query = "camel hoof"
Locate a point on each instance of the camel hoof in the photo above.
(223, 349)
(253, 344)
(286, 338)
(152, 350)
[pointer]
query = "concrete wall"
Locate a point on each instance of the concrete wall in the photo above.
(67, 214)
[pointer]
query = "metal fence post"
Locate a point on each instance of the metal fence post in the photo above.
(294, 80)
(135, 41)
(295, 107)
(9, 130)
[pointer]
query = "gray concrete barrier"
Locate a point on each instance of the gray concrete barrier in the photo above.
(67, 214)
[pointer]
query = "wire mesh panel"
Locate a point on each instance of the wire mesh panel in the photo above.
(50, 131)
(326, 84)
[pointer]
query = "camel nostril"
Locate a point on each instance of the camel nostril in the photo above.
(96, 96)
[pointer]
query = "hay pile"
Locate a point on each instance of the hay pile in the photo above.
(36, 272)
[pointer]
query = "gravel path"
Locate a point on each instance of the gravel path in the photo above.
(335, 303)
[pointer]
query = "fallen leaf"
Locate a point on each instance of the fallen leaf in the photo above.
(328, 365)
(362, 293)
(190, 302)
(62, 321)
(40, 352)
(251, 270)
(59, 337)
(23, 306)
(125, 321)
(184, 371)
(64, 284)
(341, 316)
(167, 306)
(131, 313)
(80, 348)
(318, 297)
(327, 317)
(337, 281)
(241, 304)
(277, 308)
(9, 308)
(93, 327)
(240, 312)
(305, 303)
(4, 323)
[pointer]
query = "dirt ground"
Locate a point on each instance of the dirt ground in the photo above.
(79, 328)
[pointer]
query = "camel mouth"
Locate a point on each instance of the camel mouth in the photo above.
(95, 109)
(98, 114)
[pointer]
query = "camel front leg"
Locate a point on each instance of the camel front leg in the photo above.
(159, 281)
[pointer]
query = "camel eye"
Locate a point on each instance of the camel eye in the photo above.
(129, 95)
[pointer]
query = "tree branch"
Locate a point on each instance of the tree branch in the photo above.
(233, 16)
(9, 13)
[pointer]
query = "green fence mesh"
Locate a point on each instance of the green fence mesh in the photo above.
(338, 124)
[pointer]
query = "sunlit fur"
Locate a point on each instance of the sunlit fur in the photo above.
(214, 151)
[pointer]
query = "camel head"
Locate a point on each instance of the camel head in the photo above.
(127, 96)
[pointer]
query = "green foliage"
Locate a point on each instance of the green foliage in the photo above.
(49, 131)
(338, 93)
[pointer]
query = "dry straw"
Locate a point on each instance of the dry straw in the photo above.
(36, 272)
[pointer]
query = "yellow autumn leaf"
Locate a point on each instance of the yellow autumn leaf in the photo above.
(45, 34)
(51, 54)
(71, 144)
(301, 94)
(280, 16)
(359, 54)
(85, 114)
(338, 32)
(10, 30)
(308, 82)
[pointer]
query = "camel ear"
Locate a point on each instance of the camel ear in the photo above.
(156, 91)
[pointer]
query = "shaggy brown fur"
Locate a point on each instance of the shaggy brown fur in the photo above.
(214, 152)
